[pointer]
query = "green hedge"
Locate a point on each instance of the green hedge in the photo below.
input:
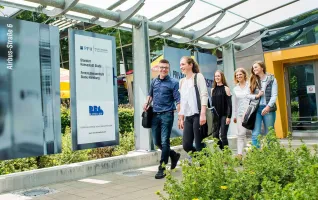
(126, 119)
(68, 156)
(272, 172)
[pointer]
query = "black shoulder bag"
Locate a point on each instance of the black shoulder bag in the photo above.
(147, 117)
(146, 121)
(250, 114)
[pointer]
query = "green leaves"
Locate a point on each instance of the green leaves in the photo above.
(272, 172)
(126, 119)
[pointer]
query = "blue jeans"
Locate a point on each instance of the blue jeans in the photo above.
(269, 121)
(161, 130)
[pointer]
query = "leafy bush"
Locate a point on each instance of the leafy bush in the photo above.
(126, 144)
(67, 156)
(176, 141)
(294, 106)
(65, 118)
(272, 172)
(17, 165)
(126, 119)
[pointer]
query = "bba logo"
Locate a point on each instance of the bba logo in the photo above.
(95, 110)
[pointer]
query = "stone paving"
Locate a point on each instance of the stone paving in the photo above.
(138, 184)
(108, 186)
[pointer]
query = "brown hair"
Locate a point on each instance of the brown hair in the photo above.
(255, 80)
(223, 80)
(164, 61)
(240, 70)
(195, 66)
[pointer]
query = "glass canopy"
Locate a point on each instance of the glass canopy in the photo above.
(200, 9)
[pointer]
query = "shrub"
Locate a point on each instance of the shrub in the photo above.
(17, 165)
(126, 119)
(126, 144)
(176, 141)
(294, 106)
(272, 172)
(65, 118)
(67, 156)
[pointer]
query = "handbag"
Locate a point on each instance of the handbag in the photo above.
(207, 129)
(146, 121)
(250, 115)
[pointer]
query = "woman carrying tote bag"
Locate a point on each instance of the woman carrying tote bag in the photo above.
(192, 118)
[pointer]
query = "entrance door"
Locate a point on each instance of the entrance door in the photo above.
(302, 88)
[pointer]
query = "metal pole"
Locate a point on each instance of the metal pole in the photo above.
(141, 60)
(228, 69)
(115, 16)
(169, 10)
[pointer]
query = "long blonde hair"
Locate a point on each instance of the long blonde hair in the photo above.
(255, 80)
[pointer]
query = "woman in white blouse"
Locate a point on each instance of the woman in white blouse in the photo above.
(240, 104)
(190, 116)
(241, 99)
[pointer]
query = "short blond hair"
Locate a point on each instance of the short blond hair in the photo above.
(240, 70)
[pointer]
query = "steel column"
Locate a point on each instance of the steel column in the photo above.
(141, 60)
(228, 69)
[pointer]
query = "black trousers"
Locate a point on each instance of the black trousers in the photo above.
(222, 131)
(191, 132)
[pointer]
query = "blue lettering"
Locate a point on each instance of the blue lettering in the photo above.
(177, 75)
(95, 110)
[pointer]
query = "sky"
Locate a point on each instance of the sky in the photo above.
(203, 8)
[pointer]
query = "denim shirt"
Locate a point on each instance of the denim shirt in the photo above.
(164, 93)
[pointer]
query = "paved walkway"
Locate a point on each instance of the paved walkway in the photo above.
(119, 186)
(128, 185)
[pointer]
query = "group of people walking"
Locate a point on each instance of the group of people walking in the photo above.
(189, 96)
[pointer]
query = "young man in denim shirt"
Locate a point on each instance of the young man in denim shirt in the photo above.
(164, 92)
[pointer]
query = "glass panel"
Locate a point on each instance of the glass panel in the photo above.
(303, 98)
(299, 31)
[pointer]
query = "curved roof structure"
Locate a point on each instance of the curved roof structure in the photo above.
(220, 20)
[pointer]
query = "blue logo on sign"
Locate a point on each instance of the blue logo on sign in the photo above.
(86, 48)
(95, 110)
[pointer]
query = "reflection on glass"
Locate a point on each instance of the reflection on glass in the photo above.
(303, 99)
(299, 31)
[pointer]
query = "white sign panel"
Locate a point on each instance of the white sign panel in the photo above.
(311, 89)
(96, 108)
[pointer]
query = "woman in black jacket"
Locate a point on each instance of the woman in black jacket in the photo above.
(221, 100)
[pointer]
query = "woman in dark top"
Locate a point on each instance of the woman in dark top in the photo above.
(221, 100)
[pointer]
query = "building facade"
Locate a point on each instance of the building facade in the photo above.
(290, 52)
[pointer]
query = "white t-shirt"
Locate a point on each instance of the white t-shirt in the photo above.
(188, 100)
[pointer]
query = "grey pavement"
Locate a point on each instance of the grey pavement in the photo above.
(135, 184)
(128, 185)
